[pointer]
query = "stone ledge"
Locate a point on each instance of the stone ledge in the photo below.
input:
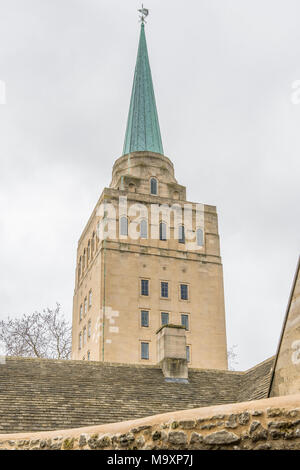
(267, 424)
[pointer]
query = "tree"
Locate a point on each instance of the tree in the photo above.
(232, 357)
(45, 334)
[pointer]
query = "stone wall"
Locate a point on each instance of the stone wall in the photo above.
(267, 424)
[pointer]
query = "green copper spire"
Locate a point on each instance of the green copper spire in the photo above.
(142, 131)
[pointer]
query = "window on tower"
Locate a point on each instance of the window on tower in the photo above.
(183, 291)
(164, 289)
(162, 231)
(185, 321)
(153, 186)
(145, 318)
(144, 229)
(199, 236)
(144, 350)
(164, 318)
(181, 234)
(144, 287)
(124, 226)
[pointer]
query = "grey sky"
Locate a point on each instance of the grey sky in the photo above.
(222, 71)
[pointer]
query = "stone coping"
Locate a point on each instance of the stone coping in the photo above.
(255, 408)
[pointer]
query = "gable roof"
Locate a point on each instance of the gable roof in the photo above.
(40, 394)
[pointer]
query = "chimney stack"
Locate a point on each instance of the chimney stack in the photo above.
(171, 352)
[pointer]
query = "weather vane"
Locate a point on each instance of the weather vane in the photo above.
(144, 12)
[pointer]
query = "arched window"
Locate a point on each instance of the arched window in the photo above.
(80, 313)
(153, 186)
(199, 235)
(123, 226)
(80, 338)
(90, 298)
(144, 229)
(89, 328)
(181, 234)
(83, 259)
(85, 306)
(84, 336)
(162, 231)
(131, 187)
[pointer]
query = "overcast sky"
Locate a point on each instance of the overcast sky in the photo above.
(223, 72)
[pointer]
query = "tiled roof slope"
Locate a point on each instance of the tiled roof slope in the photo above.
(40, 394)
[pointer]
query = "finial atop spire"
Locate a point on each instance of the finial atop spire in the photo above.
(144, 12)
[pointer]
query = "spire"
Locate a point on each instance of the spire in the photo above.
(142, 132)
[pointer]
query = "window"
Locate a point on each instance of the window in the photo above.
(188, 354)
(144, 229)
(153, 186)
(124, 226)
(164, 318)
(144, 318)
(199, 235)
(144, 287)
(89, 251)
(93, 244)
(144, 350)
(80, 313)
(79, 268)
(85, 305)
(183, 291)
(88, 356)
(181, 234)
(164, 289)
(185, 321)
(162, 231)
(89, 328)
(90, 298)
(84, 336)
(80, 340)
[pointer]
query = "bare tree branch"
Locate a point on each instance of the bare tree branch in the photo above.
(44, 334)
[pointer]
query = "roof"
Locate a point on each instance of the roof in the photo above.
(142, 132)
(41, 394)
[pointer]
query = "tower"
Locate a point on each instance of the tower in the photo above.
(147, 256)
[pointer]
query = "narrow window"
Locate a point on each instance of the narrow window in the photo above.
(84, 336)
(200, 237)
(188, 354)
(88, 356)
(162, 231)
(183, 291)
(80, 313)
(181, 234)
(164, 289)
(144, 229)
(144, 350)
(89, 251)
(153, 186)
(164, 318)
(145, 318)
(89, 328)
(124, 226)
(185, 321)
(80, 340)
(85, 305)
(90, 298)
(144, 287)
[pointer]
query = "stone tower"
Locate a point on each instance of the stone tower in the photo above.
(148, 257)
